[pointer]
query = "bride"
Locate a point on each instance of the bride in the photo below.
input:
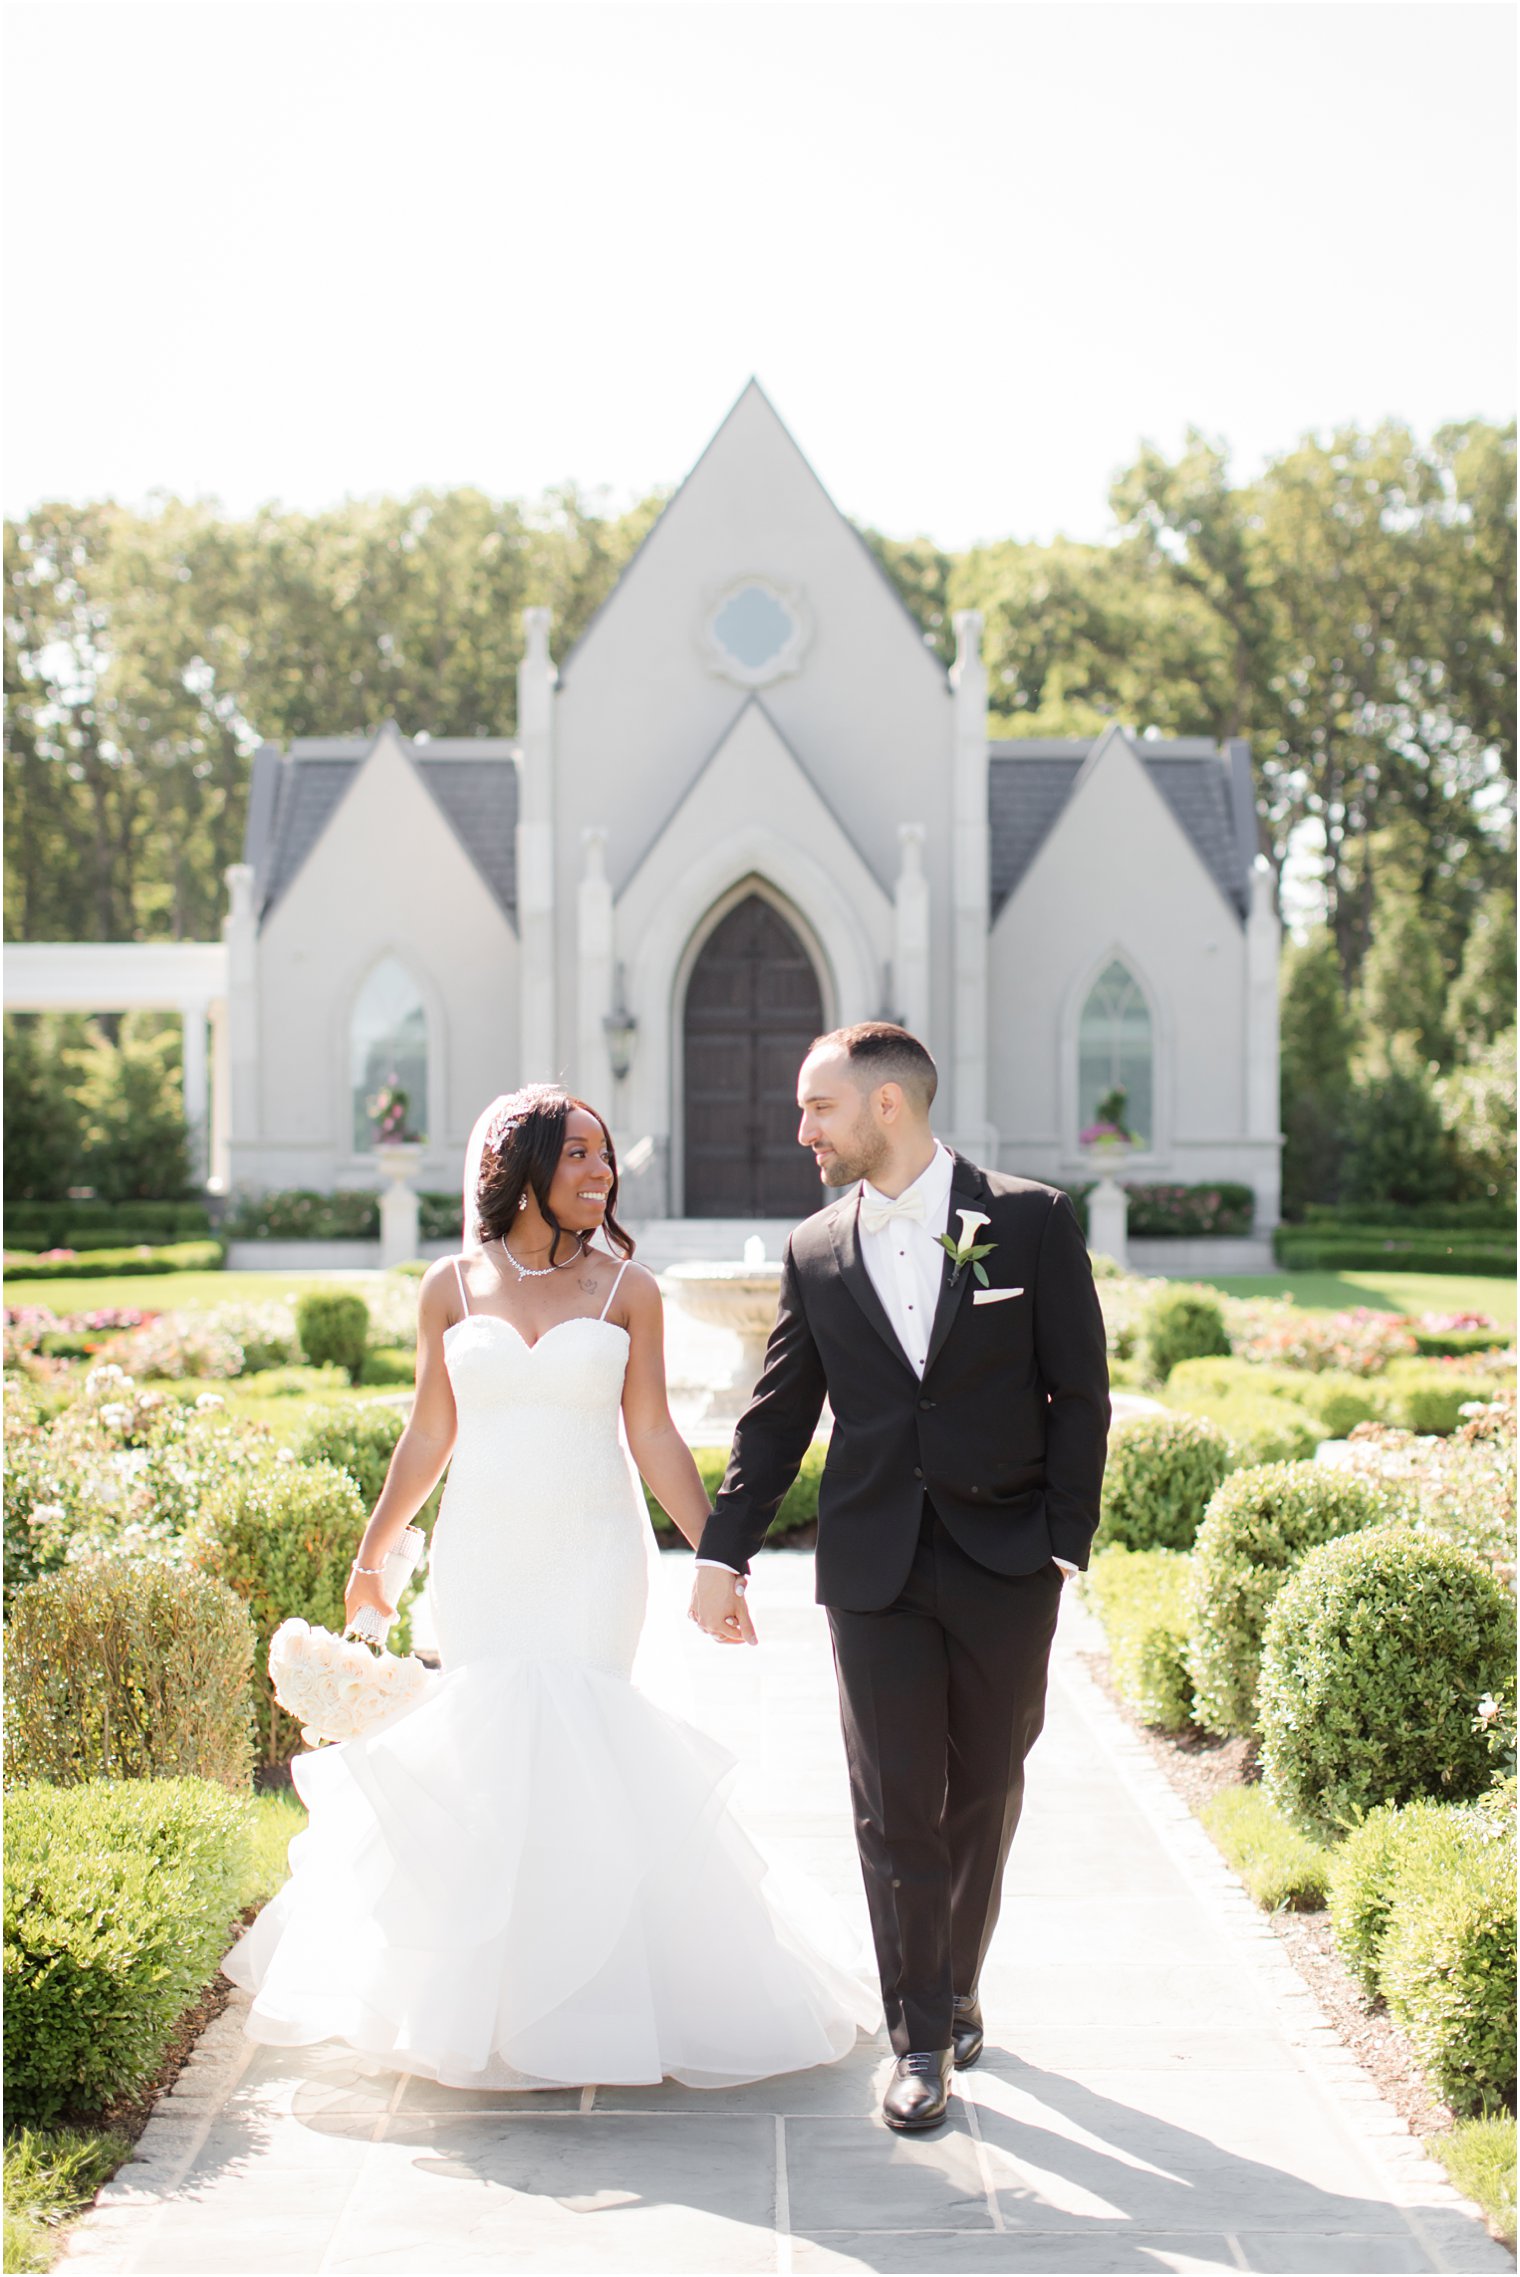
(528, 1878)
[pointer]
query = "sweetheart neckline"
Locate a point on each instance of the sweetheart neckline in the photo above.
(576, 1320)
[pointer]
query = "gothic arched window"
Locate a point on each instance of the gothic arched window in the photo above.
(1114, 1048)
(388, 1051)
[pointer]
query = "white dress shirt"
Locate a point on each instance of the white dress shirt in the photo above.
(904, 1258)
(906, 1264)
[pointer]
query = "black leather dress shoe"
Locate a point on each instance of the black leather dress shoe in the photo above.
(918, 2091)
(966, 2031)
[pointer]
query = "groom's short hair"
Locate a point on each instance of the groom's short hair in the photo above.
(880, 1052)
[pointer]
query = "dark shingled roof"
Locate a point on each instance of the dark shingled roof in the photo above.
(295, 795)
(1028, 784)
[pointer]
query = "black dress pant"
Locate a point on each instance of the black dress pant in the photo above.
(942, 1695)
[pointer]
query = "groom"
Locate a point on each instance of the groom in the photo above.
(961, 1485)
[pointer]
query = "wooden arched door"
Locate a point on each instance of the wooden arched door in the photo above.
(752, 1008)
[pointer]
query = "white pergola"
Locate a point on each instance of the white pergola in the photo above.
(186, 977)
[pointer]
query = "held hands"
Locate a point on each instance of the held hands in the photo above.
(718, 1607)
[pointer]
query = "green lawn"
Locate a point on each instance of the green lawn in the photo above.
(1317, 1292)
(1381, 1292)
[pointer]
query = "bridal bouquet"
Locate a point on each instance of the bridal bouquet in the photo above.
(338, 1689)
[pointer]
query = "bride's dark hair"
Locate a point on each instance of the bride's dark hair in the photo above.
(525, 1155)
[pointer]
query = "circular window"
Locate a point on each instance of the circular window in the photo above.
(756, 631)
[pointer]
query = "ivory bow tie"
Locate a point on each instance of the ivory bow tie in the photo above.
(874, 1212)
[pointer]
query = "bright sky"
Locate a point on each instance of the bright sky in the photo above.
(295, 249)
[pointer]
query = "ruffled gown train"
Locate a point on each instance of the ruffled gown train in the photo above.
(530, 1877)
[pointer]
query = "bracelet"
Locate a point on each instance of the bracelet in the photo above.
(356, 1567)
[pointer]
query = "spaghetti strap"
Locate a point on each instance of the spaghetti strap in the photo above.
(612, 1292)
(464, 1294)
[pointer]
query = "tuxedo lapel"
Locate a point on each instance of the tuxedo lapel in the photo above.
(968, 1190)
(844, 1234)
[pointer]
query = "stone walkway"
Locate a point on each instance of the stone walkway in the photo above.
(1159, 2090)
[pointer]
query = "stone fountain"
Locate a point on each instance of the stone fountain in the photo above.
(741, 1298)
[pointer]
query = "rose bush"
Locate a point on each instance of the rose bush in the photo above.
(1359, 1343)
(121, 1469)
(1463, 1486)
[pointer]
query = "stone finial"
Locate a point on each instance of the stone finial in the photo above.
(239, 877)
(594, 854)
(535, 623)
(968, 640)
(910, 837)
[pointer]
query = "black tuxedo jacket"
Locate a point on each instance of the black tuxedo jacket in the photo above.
(1006, 1433)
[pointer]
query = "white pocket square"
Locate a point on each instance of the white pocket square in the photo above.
(993, 1296)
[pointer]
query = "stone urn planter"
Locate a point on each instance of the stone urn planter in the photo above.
(740, 1297)
(398, 1161)
(1108, 1203)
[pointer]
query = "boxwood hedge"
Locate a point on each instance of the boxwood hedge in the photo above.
(1374, 1658)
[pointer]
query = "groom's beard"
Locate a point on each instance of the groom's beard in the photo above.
(861, 1156)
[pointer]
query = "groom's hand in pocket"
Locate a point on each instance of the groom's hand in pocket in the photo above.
(718, 1607)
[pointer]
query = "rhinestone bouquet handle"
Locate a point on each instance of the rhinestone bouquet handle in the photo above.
(369, 1624)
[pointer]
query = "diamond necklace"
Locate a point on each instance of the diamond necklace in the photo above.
(539, 1272)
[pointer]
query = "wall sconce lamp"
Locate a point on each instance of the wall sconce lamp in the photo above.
(620, 1028)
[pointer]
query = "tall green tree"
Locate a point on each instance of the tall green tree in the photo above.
(1403, 983)
(1482, 1002)
(44, 1125)
(146, 655)
(1318, 1035)
(136, 1147)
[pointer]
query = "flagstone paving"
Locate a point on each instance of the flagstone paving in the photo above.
(1159, 2091)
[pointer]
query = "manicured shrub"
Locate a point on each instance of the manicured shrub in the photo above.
(390, 1365)
(129, 1669)
(1257, 1426)
(1336, 1399)
(79, 1225)
(97, 1264)
(1423, 1904)
(300, 1214)
(1393, 1249)
(284, 1539)
(1159, 1477)
(361, 1441)
(1141, 1599)
(1363, 1873)
(1182, 1323)
(333, 1325)
(799, 1506)
(119, 1902)
(1259, 1525)
(1282, 1868)
(1209, 1209)
(1373, 1660)
(1221, 1376)
(1428, 1396)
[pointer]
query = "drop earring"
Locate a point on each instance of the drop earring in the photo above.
(522, 1199)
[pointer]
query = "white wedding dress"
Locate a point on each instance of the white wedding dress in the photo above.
(530, 1877)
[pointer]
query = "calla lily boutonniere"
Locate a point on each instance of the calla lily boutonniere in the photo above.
(968, 1250)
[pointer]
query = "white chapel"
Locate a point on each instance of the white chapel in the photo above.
(750, 804)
